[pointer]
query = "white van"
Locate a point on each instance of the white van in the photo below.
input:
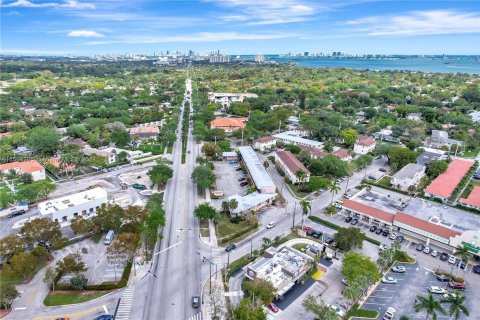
(109, 237)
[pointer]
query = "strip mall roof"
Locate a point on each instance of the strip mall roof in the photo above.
(373, 212)
(425, 226)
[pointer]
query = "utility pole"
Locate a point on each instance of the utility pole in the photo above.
(346, 186)
(294, 210)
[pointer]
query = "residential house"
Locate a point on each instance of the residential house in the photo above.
(226, 98)
(364, 145)
(109, 157)
(264, 143)
(342, 154)
(33, 167)
(290, 166)
(315, 153)
(144, 132)
(56, 162)
(428, 156)
(386, 135)
(473, 199)
(475, 116)
(228, 124)
(251, 202)
(293, 139)
(439, 139)
(23, 151)
(408, 176)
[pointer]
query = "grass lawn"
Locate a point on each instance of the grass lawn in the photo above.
(62, 298)
(299, 246)
(294, 189)
(361, 313)
(385, 181)
(97, 237)
(5, 278)
(204, 232)
(469, 153)
(225, 228)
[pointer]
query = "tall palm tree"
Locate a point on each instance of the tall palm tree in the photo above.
(266, 242)
(232, 204)
(457, 305)
(306, 207)
(300, 175)
(333, 188)
(463, 253)
(225, 206)
(431, 305)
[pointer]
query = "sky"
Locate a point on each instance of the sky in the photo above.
(88, 27)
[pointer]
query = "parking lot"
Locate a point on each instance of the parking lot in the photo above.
(401, 296)
(94, 255)
(227, 180)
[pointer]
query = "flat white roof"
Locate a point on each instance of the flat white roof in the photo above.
(70, 201)
(255, 167)
(251, 200)
(308, 142)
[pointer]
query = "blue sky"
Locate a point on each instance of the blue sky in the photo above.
(81, 27)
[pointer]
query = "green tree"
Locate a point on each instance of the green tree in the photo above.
(50, 276)
(71, 263)
(6, 199)
(430, 305)
(232, 204)
(41, 229)
(77, 131)
(457, 305)
(8, 293)
(356, 265)
(333, 188)
(247, 311)
(78, 282)
(203, 177)
(109, 217)
(205, 211)
(22, 264)
(349, 136)
(155, 220)
(210, 149)
(160, 174)
(301, 177)
(26, 178)
(10, 245)
(124, 247)
(317, 183)
(306, 206)
(363, 161)
(224, 146)
(382, 149)
(463, 252)
(35, 191)
(120, 137)
(400, 157)
(45, 139)
(435, 168)
(80, 225)
(260, 291)
(319, 309)
(225, 206)
(330, 165)
(349, 238)
(266, 242)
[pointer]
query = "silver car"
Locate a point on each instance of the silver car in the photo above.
(389, 280)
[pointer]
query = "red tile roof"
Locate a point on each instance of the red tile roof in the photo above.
(5, 135)
(367, 210)
(24, 167)
(56, 162)
(365, 141)
(265, 139)
(314, 152)
(425, 225)
(474, 198)
(341, 153)
(444, 185)
(291, 161)
(228, 123)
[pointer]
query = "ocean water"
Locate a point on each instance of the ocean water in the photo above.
(469, 65)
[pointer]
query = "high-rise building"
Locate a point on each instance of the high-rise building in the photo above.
(219, 58)
(259, 57)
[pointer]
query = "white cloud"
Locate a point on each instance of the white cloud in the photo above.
(85, 34)
(419, 23)
(72, 4)
(197, 37)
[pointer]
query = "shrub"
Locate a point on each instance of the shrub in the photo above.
(454, 278)
(239, 233)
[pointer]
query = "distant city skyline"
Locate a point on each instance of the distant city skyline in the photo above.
(238, 27)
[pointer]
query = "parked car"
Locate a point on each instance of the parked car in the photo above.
(348, 219)
(317, 234)
(104, 317)
(328, 239)
(437, 290)
(393, 236)
(196, 301)
(452, 260)
(461, 264)
(273, 307)
(238, 169)
(338, 311)
(389, 314)
(382, 247)
(372, 178)
(399, 239)
(382, 170)
(434, 253)
(398, 269)
(311, 232)
(385, 233)
(271, 225)
(456, 285)
(230, 247)
(62, 318)
(389, 280)
(373, 228)
(307, 228)
(426, 250)
(241, 179)
(443, 278)
(345, 282)
(448, 295)
(139, 186)
(354, 222)
(244, 183)
(379, 231)
(419, 247)
(444, 256)
(476, 269)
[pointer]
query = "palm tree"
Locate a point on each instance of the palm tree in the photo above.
(232, 204)
(431, 305)
(463, 253)
(266, 242)
(306, 207)
(225, 206)
(12, 174)
(300, 175)
(457, 305)
(333, 188)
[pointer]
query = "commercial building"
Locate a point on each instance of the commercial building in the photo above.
(408, 176)
(473, 199)
(84, 203)
(32, 167)
(260, 57)
(264, 143)
(292, 139)
(252, 202)
(290, 166)
(428, 156)
(228, 124)
(109, 157)
(364, 145)
(229, 156)
(256, 170)
(444, 185)
(219, 58)
(282, 267)
(440, 139)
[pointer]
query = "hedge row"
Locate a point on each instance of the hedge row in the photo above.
(103, 286)
(384, 187)
(336, 227)
(239, 233)
(239, 264)
(463, 182)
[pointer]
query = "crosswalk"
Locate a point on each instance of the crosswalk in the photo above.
(197, 316)
(123, 311)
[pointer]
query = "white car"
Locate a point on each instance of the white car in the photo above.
(452, 260)
(434, 253)
(389, 314)
(448, 295)
(393, 236)
(426, 250)
(389, 280)
(399, 269)
(338, 311)
(437, 290)
(271, 225)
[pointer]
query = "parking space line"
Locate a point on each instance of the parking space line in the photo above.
(373, 303)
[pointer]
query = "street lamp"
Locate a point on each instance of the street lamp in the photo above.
(210, 263)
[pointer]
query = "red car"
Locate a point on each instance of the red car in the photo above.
(456, 285)
(307, 229)
(273, 307)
